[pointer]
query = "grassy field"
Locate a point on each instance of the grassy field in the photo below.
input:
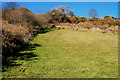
(68, 54)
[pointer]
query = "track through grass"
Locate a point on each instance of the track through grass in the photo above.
(69, 54)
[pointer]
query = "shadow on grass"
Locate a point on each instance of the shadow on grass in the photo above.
(43, 31)
(9, 59)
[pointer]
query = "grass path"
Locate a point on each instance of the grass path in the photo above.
(70, 54)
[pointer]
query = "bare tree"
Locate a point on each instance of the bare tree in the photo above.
(10, 5)
(71, 13)
(93, 13)
(62, 9)
(67, 8)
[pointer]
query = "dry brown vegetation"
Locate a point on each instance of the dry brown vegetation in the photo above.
(18, 27)
(108, 24)
(13, 36)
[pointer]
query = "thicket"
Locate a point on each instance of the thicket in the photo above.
(19, 26)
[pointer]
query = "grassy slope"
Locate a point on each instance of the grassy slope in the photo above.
(70, 54)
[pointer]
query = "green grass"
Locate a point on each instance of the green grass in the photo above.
(69, 54)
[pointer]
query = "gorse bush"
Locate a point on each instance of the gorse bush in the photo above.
(81, 19)
(73, 19)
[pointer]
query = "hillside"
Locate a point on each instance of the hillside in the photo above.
(68, 54)
(58, 44)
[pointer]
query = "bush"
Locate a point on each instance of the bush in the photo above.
(10, 5)
(73, 19)
(19, 26)
(71, 13)
(13, 36)
(20, 16)
(81, 19)
(57, 15)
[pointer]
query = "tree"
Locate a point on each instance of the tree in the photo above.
(10, 5)
(67, 8)
(71, 13)
(61, 9)
(93, 13)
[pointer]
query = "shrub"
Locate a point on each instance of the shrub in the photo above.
(81, 19)
(73, 19)
(13, 36)
(57, 15)
(109, 17)
(19, 26)
(71, 13)
(10, 5)
(19, 16)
